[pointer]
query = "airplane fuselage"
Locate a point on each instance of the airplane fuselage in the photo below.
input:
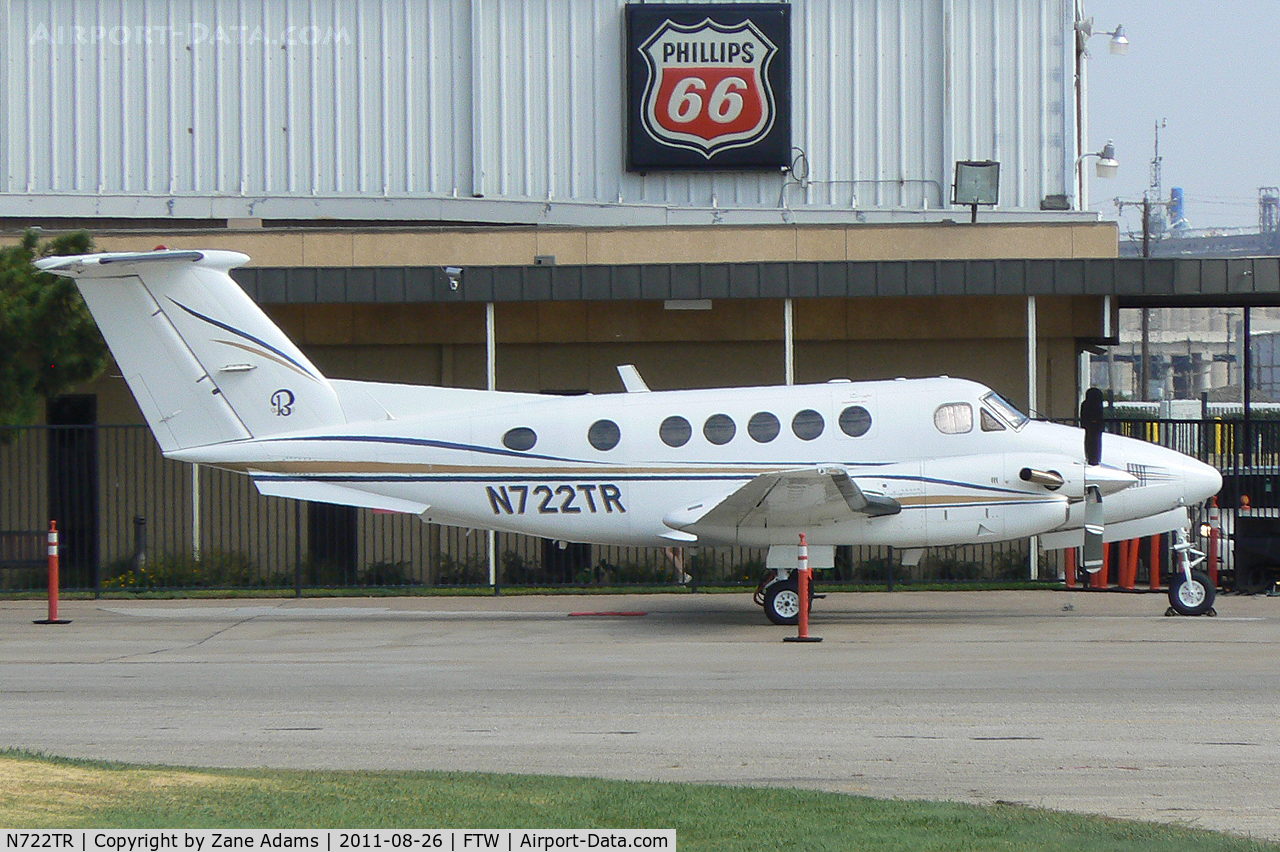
(640, 468)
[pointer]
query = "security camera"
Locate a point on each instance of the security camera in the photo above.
(455, 276)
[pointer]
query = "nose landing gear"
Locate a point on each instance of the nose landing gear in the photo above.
(1190, 591)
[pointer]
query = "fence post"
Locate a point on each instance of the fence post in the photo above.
(297, 548)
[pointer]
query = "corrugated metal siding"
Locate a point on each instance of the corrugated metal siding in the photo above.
(410, 99)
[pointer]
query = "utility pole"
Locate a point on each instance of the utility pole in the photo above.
(1146, 227)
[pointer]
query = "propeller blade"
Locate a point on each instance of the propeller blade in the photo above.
(1093, 527)
(1091, 415)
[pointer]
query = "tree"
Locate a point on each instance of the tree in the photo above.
(49, 343)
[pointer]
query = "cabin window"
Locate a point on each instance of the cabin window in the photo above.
(954, 418)
(675, 431)
(855, 421)
(991, 423)
(719, 429)
(520, 438)
(604, 435)
(807, 424)
(763, 427)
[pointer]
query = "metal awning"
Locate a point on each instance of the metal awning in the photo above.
(1135, 282)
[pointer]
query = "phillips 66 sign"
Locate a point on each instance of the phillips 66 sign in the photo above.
(709, 86)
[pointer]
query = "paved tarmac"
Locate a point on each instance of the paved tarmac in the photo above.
(971, 696)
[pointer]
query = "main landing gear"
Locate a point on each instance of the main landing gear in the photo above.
(779, 594)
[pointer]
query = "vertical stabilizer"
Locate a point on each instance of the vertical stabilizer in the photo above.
(205, 364)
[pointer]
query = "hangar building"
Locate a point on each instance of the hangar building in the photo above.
(722, 193)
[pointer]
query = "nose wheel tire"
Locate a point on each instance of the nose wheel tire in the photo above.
(782, 602)
(1191, 598)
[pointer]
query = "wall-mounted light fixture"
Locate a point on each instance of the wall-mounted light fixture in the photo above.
(976, 182)
(1107, 164)
(1119, 44)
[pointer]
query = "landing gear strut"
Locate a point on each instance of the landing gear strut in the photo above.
(1190, 591)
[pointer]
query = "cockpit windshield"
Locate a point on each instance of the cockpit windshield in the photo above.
(1005, 410)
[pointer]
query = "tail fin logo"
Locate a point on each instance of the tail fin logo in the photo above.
(282, 402)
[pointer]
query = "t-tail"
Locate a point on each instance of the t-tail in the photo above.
(205, 364)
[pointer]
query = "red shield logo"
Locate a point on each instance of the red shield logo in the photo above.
(708, 89)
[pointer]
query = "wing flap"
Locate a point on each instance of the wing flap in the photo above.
(791, 498)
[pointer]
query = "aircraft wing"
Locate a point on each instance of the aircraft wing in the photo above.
(790, 498)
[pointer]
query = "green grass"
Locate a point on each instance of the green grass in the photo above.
(42, 792)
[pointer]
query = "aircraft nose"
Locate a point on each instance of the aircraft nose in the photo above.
(1200, 481)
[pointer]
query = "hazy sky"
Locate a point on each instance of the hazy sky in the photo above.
(1213, 71)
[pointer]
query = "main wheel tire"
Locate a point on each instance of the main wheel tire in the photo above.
(1194, 598)
(782, 602)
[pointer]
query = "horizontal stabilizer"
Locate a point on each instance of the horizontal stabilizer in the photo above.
(326, 492)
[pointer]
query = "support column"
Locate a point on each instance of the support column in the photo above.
(491, 383)
(195, 512)
(1033, 407)
(788, 341)
(1033, 398)
(1246, 384)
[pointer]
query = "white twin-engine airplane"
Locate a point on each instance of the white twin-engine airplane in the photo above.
(909, 463)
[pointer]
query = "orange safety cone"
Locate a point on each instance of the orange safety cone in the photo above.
(1101, 579)
(802, 581)
(53, 579)
(1153, 573)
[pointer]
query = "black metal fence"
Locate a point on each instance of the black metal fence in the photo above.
(131, 520)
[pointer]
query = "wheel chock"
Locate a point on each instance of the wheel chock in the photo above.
(1210, 612)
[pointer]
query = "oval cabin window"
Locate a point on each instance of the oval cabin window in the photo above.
(604, 435)
(855, 421)
(954, 418)
(763, 427)
(719, 429)
(675, 431)
(520, 438)
(807, 424)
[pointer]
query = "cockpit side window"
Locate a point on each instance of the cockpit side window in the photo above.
(954, 418)
(991, 423)
(1005, 410)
